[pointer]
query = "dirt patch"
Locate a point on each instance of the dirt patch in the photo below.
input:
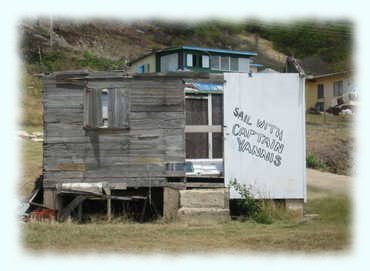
(339, 184)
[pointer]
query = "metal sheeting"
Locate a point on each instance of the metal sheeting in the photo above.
(95, 188)
(204, 167)
(203, 87)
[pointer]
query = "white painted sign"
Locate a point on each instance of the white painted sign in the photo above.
(264, 134)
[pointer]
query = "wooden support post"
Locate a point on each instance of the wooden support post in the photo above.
(80, 212)
(143, 210)
(109, 209)
(109, 202)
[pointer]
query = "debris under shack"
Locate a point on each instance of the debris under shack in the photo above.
(85, 202)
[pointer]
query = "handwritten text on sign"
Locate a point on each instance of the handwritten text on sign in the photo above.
(258, 138)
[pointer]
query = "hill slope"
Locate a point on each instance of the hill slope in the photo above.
(49, 45)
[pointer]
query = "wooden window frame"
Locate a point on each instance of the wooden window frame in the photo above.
(118, 112)
(210, 128)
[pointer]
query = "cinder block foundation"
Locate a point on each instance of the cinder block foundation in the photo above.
(205, 198)
(171, 203)
(294, 207)
(203, 215)
(204, 205)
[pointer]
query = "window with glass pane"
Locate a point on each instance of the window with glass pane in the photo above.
(225, 63)
(189, 60)
(205, 61)
(320, 91)
(338, 88)
(215, 62)
(234, 64)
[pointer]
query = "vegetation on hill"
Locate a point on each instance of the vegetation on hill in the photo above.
(331, 41)
(107, 45)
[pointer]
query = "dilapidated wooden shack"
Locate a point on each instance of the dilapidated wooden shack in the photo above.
(157, 137)
(117, 135)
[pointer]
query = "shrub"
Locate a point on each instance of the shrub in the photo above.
(248, 205)
(313, 162)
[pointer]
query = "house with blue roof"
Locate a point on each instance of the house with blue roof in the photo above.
(192, 58)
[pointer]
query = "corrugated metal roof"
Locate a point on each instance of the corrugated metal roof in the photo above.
(212, 50)
(312, 77)
(256, 65)
(203, 87)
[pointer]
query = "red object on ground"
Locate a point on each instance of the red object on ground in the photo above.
(43, 214)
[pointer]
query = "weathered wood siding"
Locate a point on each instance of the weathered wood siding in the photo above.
(137, 155)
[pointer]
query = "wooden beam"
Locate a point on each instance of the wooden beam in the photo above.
(195, 185)
(203, 129)
(65, 212)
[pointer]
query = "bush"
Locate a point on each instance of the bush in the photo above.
(313, 162)
(249, 207)
(94, 62)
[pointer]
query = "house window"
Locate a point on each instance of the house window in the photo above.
(169, 63)
(234, 64)
(141, 69)
(338, 88)
(215, 62)
(189, 60)
(106, 108)
(225, 63)
(205, 61)
(199, 61)
(203, 130)
(320, 91)
(244, 64)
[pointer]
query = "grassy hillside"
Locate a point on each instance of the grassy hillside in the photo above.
(59, 44)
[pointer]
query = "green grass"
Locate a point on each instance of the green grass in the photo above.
(329, 231)
(31, 162)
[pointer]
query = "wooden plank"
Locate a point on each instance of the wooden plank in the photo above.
(72, 167)
(202, 129)
(195, 185)
(155, 136)
(131, 182)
